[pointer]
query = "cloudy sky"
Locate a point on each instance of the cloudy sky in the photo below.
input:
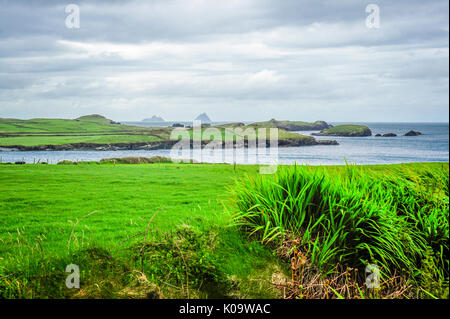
(235, 60)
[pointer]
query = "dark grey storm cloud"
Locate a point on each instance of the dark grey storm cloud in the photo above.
(234, 59)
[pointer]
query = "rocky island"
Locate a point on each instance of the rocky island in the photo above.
(154, 118)
(413, 133)
(349, 130)
(204, 118)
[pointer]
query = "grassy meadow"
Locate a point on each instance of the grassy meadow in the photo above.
(167, 230)
(40, 206)
(93, 129)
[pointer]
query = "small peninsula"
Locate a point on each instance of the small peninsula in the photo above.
(349, 130)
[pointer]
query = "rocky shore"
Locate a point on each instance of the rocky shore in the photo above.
(155, 145)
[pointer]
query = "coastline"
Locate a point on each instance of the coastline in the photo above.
(157, 145)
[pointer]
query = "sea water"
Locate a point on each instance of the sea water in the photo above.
(432, 146)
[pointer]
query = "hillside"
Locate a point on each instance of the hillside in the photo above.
(95, 118)
(90, 123)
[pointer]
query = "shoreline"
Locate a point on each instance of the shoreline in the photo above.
(159, 145)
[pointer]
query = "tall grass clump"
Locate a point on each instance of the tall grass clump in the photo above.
(396, 218)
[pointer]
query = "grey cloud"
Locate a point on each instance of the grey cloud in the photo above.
(315, 59)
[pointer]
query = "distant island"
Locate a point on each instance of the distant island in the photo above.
(204, 118)
(154, 118)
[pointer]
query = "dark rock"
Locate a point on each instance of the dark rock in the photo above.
(413, 133)
(327, 142)
(378, 135)
(177, 125)
(389, 135)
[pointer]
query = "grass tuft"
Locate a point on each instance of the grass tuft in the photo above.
(351, 217)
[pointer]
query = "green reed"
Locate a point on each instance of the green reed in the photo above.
(353, 216)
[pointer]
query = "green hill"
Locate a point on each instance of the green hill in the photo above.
(346, 130)
(95, 118)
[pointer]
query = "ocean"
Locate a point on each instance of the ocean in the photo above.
(432, 146)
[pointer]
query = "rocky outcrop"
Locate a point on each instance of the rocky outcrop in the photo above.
(327, 142)
(413, 133)
(304, 142)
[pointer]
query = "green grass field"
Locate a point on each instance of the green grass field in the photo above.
(39, 205)
(168, 230)
(57, 125)
(59, 140)
(94, 129)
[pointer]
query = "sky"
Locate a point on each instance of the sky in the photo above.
(236, 60)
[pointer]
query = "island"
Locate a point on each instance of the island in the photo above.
(96, 132)
(154, 118)
(349, 130)
(203, 118)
